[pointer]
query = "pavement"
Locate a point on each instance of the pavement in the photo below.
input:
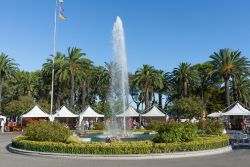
(238, 157)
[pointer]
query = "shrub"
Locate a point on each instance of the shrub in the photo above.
(99, 125)
(47, 131)
(176, 132)
(211, 127)
(135, 147)
(154, 125)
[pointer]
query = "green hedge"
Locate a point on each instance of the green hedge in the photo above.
(136, 147)
(176, 132)
(211, 127)
(47, 131)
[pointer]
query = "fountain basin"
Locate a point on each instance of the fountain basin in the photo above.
(101, 137)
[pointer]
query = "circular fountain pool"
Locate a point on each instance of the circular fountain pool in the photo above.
(101, 137)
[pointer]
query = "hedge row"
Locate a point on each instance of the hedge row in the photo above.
(136, 147)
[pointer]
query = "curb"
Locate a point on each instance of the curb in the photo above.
(123, 157)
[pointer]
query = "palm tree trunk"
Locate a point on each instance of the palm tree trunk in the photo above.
(227, 98)
(58, 96)
(83, 97)
(160, 100)
(185, 89)
(1, 89)
(147, 100)
(72, 91)
(235, 94)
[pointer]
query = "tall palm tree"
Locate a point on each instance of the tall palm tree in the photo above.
(73, 65)
(184, 74)
(61, 75)
(82, 74)
(147, 79)
(226, 64)
(7, 68)
(160, 87)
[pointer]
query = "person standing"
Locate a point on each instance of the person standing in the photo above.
(2, 125)
(244, 124)
(11, 125)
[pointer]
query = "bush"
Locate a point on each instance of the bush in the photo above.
(154, 125)
(176, 132)
(47, 131)
(99, 125)
(135, 147)
(211, 127)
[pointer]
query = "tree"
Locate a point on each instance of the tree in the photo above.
(82, 75)
(184, 75)
(7, 68)
(17, 107)
(243, 90)
(73, 65)
(147, 79)
(187, 106)
(61, 77)
(226, 64)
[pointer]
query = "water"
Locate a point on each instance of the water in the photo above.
(118, 90)
(102, 137)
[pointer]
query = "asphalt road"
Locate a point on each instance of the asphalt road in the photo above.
(236, 158)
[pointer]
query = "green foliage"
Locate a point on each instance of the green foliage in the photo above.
(154, 125)
(187, 106)
(99, 125)
(17, 107)
(47, 131)
(136, 147)
(45, 106)
(211, 127)
(176, 132)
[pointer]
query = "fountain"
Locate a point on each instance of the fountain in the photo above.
(118, 91)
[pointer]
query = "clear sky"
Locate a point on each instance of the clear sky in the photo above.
(161, 33)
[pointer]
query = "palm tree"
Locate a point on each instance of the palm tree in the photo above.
(147, 79)
(74, 64)
(226, 64)
(82, 74)
(243, 91)
(184, 74)
(7, 68)
(160, 87)
(61, 75)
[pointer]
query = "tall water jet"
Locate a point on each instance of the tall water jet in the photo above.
(118, 90)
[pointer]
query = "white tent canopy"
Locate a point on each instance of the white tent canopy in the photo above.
(89, 113)
(130, 112)
(36, 112)
(237, 110)
(3, 117)
(215, 114)
(64, 113)
(154, 112)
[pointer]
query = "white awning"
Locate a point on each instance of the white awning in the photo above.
(237, 110)
(35, 112)
(215, 114)
(154, 112)
(64, 113)
(89, 113)
(130, 112)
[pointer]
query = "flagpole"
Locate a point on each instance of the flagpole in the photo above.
(53, 69)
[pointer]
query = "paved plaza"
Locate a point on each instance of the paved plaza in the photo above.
(236, 158)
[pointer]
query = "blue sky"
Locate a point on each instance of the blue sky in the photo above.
(161, 33)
